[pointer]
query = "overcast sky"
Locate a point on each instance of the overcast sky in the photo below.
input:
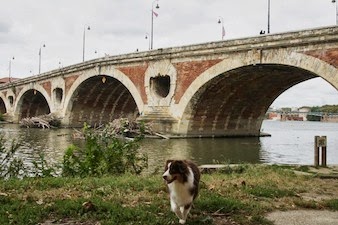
(120, 26)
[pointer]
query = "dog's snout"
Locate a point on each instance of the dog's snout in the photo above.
(165, 177)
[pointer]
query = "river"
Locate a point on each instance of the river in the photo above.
(291, 142)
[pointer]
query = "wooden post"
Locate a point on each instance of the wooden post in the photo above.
(320, 142)
(316, 151)
(324, 156)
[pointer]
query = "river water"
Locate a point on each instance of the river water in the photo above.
(291, 142)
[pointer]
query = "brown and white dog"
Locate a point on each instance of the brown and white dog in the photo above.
(182, 178)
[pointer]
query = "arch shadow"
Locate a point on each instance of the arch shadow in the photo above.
(99, 99)
(232, 97)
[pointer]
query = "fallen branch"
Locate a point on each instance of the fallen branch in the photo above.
(43, 121)
(161, 135)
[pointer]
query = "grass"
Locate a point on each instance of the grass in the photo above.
(240, 196)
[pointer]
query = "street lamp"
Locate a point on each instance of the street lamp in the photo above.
(9, 69)
(334, 1)
(221, 21)
(84, 41)
(268, 16)
(43, 46)
(152, 22)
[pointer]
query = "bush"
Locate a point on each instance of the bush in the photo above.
(103, 153)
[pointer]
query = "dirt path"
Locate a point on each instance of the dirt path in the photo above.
(304, 217)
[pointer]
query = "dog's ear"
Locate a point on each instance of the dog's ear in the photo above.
(167, 163)
(181, 166)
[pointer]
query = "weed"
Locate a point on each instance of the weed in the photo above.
(269, 192)
(307, 204)
(260, 220)
(303, 169)
(236, 169)
(332, 204)
(213, 202)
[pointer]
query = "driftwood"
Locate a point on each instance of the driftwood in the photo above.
(43, 121)
(128, 127)
(123, 127)
(161, 135)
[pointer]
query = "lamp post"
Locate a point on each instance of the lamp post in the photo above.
(221, 21)
(9, 69)
(268, 16)
(43, 46)
(152, 22)
(334, 1)
(84, 41)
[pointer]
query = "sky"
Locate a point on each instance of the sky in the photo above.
(120, 26)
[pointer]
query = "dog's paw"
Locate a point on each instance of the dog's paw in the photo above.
(182, 221)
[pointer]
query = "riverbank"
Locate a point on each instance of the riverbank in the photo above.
(234, 195)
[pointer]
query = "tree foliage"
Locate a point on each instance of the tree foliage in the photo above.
(325, 109)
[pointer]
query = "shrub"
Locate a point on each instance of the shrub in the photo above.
(103, 153)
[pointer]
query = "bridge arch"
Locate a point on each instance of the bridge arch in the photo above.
(32, 100)
(3, 104)
(101, 95)
(232, 97)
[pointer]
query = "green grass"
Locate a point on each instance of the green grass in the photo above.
(243, 196)
(269, 192)
(332, 204)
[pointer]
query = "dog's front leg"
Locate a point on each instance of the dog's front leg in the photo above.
(185, 211)
(176, 210)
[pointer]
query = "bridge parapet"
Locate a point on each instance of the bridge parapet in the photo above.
(218, 88)
(306, 38)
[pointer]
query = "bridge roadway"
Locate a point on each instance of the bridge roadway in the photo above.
(219, 88)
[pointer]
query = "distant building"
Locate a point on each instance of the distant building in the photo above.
(6, 80)
(303, 111)
(283, 114)
(330, 118)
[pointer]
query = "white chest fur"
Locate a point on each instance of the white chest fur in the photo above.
(180, 193)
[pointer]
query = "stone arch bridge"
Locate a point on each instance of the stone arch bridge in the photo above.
(213, 89)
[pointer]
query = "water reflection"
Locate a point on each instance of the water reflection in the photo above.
(203, 150)
(51, 142)
(290, 143)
